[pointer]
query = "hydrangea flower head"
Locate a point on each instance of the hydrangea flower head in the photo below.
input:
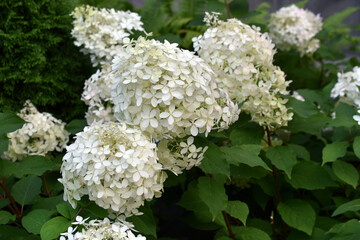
(115, 165)
(294, 28)
(101, 31)
(100, 230)
(167, 92)
(40, 134)
(97, 95)
(347, 87)
(242, 58)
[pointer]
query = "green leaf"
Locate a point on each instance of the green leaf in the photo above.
(250, 233)
(349, 230)
(6, 217)
(214, 161)
(356, 146)
(93, 208)
(146, 223)
(35, 165)
(35, 219)
(26, 189)
(9, 122)
(6, 167)
(298, 214)
(344, 116)
(52, 228)
(302, 3)
(15, 233)
(212, 193)
(310, 176)
(346, 172)
(300, 124)
(239, 210)
(333, 151)
(249, 134)
(67, 210)
(282, 157)
(48, 203)
(4, 202)
(336, 19)
(76, 125)
(351, 206)
(303, 108)
(247, 154)
(300, 151)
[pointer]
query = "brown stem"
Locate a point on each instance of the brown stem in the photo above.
(228, 9)
(46, 186)
(9, 206)
(15, 207)
(231, 233)
(277, 188)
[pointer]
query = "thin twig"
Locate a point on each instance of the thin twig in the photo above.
(228, 9)
(15, 207)
(46, 186)
(231, 233)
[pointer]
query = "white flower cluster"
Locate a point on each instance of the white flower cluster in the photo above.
(166, 91)
(347, 87)
(294, 28)
(100, 230)
(101, 31)
(175, 156)
(242, 57)
(97, 95)
(40, 134)
(115, 165)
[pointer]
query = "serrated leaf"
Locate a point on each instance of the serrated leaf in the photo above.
(336, 19)
(26, 189)
(298, 214)
(300, 124)
(6, 217)
(239, 210)
(212, 193)
(356, 146)
(4, 202)
(300, 151)
(344, 116)
(52, 228)
(14, 233)
(67, 210)
(35, 219)
(282, 157)
(35, 165)
(333, 151)
(248, 134)
(303, 108)
(250, 233)
(214, 161)
(146, 223)
(302, 3)
(76, 125)
(9, 122)
(246, 154)
(310, 176)
(349, 230)
(346, 172)
(351, 206)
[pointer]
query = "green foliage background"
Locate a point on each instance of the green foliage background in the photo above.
(305, 188)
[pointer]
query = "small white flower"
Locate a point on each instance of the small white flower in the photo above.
(293, 27)
(40, 134)
(102, 32)
(348, 87)
(110, 162)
